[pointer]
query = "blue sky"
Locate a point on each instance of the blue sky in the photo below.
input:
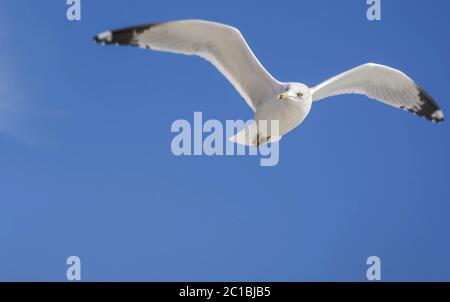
(86, 167)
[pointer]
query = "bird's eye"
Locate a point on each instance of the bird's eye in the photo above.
(299, 94)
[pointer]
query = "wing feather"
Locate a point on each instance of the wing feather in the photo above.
(384, 84)
(222, 45)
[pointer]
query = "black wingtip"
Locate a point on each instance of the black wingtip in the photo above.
(96, 39)
(104, 38)
(429, 108)
(123, 36)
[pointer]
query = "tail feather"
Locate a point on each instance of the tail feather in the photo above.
(250, 136)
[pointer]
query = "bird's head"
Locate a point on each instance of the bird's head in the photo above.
(295, 92)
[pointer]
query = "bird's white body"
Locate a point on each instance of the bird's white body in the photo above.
(287, 103)
(289, 113)
(288, 110)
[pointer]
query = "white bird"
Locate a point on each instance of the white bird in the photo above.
(287, 102)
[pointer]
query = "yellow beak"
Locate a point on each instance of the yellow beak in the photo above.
(283, 96)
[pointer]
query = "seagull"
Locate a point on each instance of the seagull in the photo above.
(288, 103)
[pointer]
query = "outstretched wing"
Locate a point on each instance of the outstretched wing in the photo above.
(384, 84)
(222, 45)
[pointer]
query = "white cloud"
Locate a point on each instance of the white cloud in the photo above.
(21, 115)
(6, 104)
(12, 111)
(9, 109)
(8, 114)
(20, 110)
